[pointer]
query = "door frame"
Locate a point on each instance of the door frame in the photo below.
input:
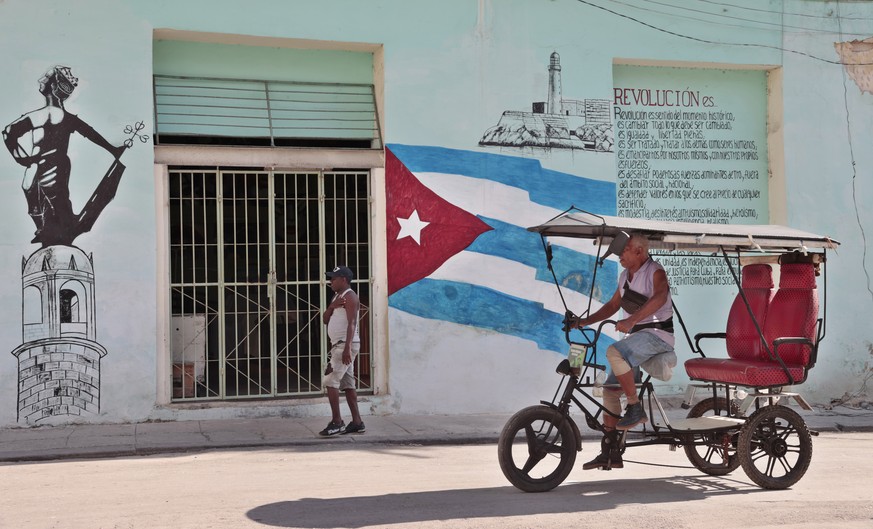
(300, 160)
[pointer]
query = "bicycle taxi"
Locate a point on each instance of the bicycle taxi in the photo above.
(746, 376)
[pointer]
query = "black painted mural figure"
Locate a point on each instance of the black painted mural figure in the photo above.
(39, 141)
(59, 361)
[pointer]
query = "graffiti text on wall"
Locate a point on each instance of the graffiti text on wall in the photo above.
(650, 183)
(691, 145)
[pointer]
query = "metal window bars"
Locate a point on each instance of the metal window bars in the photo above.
(248, 251)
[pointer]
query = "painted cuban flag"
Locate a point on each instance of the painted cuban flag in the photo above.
(459, 250)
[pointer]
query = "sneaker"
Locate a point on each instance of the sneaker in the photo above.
(633, 415)
(604, 462)
(333, 429)
(355, 428)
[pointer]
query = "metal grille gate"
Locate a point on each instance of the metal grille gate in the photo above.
(248, 252)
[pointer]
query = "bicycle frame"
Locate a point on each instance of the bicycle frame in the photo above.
(572, 387)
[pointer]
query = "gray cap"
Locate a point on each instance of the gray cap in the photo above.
(619, 241)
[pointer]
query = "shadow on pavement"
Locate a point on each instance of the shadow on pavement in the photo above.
(496, 502)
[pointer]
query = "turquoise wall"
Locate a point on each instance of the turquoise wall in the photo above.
(827, 129)
(229, 61)
(451, 70)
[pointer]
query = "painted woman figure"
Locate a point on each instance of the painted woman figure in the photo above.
(39, 141)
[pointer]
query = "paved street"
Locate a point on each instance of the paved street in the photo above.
(424, 486)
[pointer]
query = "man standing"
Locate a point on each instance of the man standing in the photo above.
(341, 318)
(644, 294)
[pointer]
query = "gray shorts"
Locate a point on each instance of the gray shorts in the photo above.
(342, 375)
(645, 349)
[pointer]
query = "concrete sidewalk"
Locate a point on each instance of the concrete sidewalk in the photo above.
(114, 440)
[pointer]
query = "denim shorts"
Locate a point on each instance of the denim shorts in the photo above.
(636, 349)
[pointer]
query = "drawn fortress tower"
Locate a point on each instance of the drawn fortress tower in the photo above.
(554, 104)
(59, 359)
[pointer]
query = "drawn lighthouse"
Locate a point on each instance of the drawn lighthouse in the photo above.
(59, 359)
(555, 105)
(555, 123)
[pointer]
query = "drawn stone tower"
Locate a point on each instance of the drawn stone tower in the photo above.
(59, 359)
(555, 96)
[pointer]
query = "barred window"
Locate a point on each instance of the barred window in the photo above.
(248, 252)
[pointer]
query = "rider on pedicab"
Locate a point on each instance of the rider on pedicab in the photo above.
(644, 294)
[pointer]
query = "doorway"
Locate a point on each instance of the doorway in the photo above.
(248, 252)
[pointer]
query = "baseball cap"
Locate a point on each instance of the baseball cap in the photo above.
(619, 241)
(340, 271)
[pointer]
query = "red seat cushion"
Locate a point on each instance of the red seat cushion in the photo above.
(752, 373)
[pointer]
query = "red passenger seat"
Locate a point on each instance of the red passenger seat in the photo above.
(742, 339)
(791, 314)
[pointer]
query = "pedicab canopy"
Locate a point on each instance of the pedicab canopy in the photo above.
(688, 236)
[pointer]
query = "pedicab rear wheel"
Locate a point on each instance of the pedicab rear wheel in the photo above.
(775, 447)
(537, 449)
(717, 456)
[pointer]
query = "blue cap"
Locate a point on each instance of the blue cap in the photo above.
(341, 271)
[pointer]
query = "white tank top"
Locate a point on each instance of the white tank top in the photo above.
(644, 283)
(338, 325)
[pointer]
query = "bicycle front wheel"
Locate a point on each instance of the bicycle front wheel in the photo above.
(537, 449)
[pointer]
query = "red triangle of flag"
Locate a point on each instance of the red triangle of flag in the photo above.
(424, 230)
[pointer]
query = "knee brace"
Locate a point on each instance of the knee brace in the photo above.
(618, 364)
(612, 400)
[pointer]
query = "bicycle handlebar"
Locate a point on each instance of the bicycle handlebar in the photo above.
(569, 317)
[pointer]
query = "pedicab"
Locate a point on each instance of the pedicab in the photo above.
(738, 398)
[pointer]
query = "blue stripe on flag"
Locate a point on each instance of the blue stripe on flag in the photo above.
(546, 187)
(573, 269)
(486, 308)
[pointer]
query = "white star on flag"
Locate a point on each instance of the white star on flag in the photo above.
(411, 227)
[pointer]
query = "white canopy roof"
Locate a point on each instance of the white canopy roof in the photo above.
(692, 236)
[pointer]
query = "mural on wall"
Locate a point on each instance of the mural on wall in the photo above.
(59, 359)
(458, 246)
(557, 123)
